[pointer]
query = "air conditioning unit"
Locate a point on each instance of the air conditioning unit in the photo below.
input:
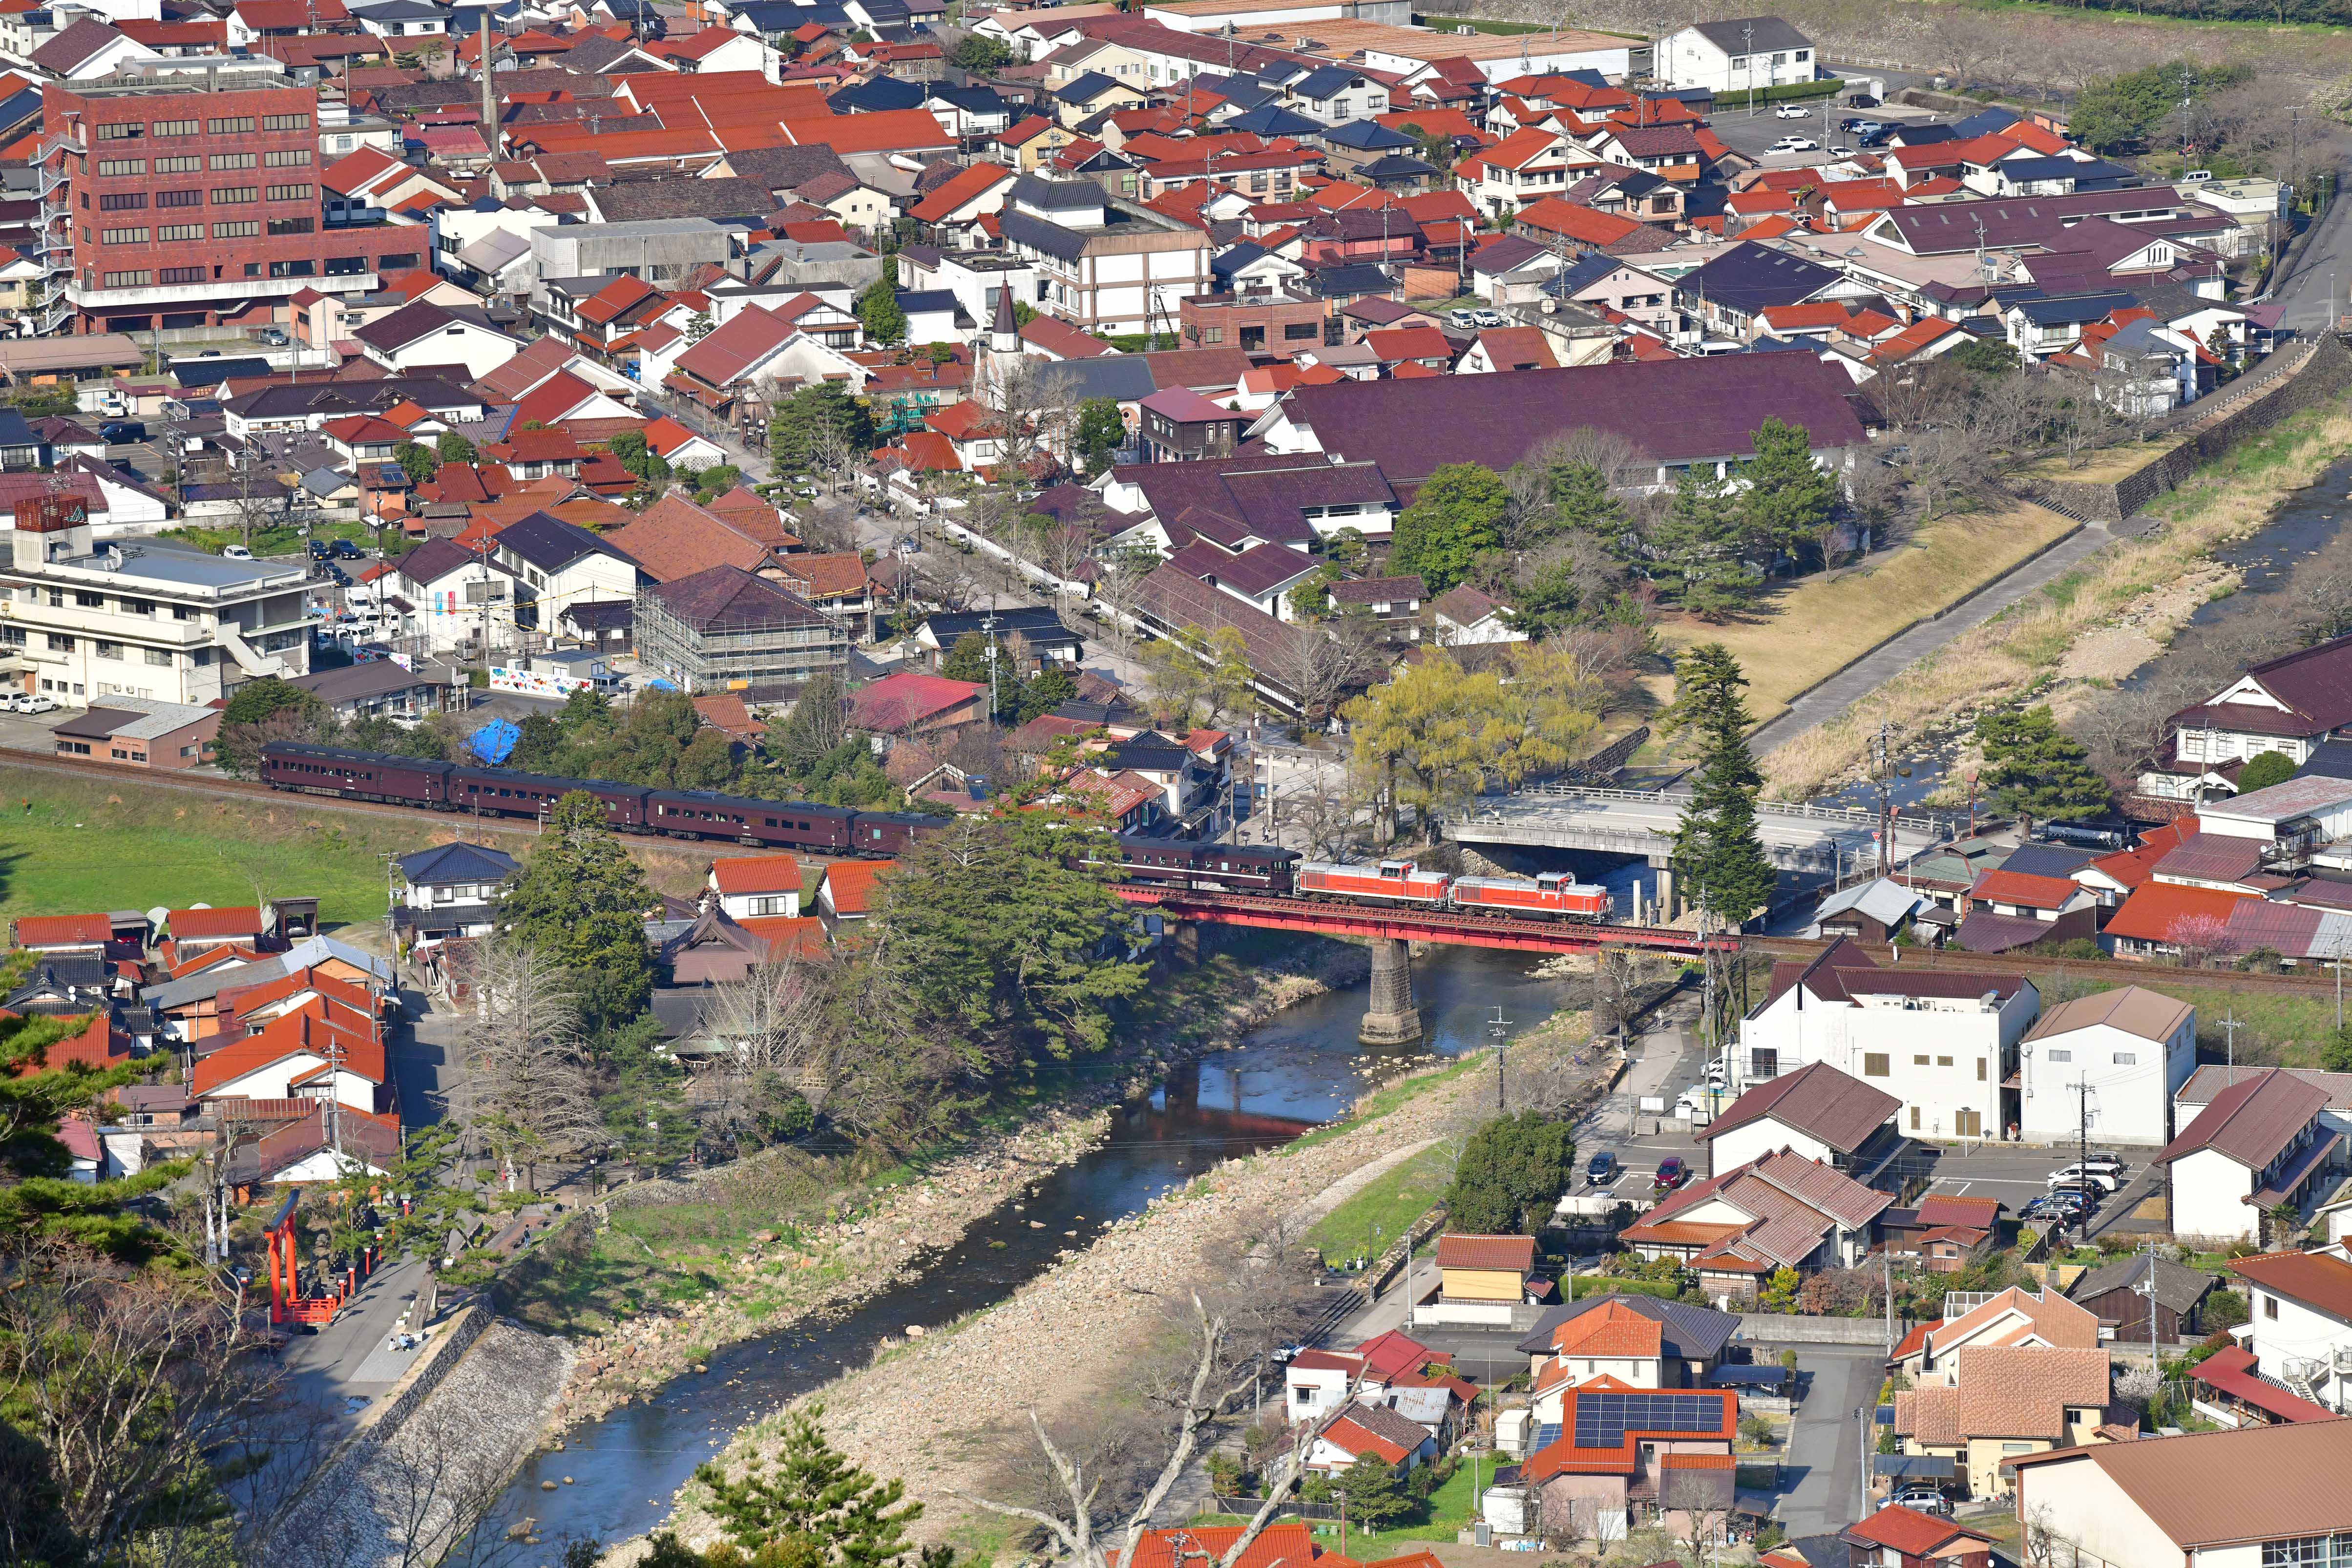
(1466, 32)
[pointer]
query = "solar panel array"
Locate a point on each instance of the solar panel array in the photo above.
(1602, 1420)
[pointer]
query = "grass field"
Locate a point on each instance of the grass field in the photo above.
(2275, 1027)
(1805, 632)
(1448, 1513)
(2019, 648)
(1368, 1222)
(2106, 466)
(125, 843)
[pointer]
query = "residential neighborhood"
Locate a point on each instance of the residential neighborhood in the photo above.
(1199, 784)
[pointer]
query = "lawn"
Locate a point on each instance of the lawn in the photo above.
(2276, 1027)
(1366, 1223)
(2104, 468)
(1805, 632)
(68, 846)
(1448, 1513)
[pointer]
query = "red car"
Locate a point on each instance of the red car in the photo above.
(1672, 1174)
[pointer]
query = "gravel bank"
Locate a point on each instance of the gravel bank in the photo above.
(776, 1282)
(939, 1412)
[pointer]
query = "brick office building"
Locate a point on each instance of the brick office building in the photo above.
(180, 207)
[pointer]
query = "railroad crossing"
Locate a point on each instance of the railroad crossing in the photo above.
(1640, 822)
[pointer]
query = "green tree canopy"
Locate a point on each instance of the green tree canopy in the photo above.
(966, 659)
(1102, 430)
(418, 462)
(878, 305)
(2036, 772)
(1511, 1172)
(810, 1492)
(2263, 769)
(1452, 519)
(1694, 547)
(581, 900)
(1717, 856)
(1786, 505)
(264, 710)
(794, 427)
(37, 1197)
(452, 447)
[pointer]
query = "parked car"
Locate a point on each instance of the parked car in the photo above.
(1790, 111)
(318, 548)
(1876, 137)
(2105, 1160)
(1795, 144)
(33, 702)
(1925, 1500)
(236, 553)
(1861, 125)
(2082, 1175)
(123, 431)
(1490, 317)
(1862, 100)
(1671, 1172)
(341, 578)
(1603, 1169)
(275, 337)
(343, 550)
(1462, 320)
(1716, 1072)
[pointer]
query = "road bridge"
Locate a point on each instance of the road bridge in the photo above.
(1641, 822)
(1391, 1017)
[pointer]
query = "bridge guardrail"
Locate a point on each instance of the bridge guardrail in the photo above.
(1862, 815)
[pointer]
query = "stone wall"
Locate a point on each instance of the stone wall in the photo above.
(381, 1420)
(2324, 368)
(1789, 1328)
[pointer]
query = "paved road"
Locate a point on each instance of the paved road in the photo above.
(1824, 1457)
(347, 1361)
(420, 1047)
(2319, 270)
(1874, 669)
(1642, 825)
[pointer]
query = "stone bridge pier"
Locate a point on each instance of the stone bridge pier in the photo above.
(1389, 1016)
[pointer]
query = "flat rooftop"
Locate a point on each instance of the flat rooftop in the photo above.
(1342, 37)
(166, 568)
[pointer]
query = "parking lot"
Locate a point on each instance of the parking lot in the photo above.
(1752, 134)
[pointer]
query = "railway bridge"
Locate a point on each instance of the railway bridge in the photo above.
(1391, 1016)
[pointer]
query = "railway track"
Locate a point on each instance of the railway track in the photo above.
(2322, 981)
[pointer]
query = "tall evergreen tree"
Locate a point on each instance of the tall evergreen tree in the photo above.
(2035, 772)
(581, 900)
(1695, 549)
(1786, 505)
(811, 1493)
(1717, 856)
(39, 1083)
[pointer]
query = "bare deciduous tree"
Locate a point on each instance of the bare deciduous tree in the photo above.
(521, 1087)
(1077, 1539)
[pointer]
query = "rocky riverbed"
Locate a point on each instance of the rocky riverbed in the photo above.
(944, 1412)
(783, 1277)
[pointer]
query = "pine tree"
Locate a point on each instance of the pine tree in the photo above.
(1787, 503)
(2035, 772)
(1694, 546)
(811, 1493)
(581, 900)
(1717, 856)
(37, 1197)
(1582, 502)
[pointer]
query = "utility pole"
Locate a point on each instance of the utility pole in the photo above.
(2229, 1027)
(1887, 1264)
(1862, 1426)
(1497, 1027)
(2148, 1289)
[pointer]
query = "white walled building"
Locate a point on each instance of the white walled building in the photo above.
(2301, 1328)
(1735, 55)
(1943, 1044)
(2131, 1048)
(1815, 1111)
(146, 619)
(2258, 1145)
(2245, 1498)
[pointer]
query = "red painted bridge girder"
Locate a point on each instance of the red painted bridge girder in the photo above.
(1409, 925)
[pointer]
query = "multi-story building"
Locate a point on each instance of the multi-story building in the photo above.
(167, 205)
(724, 629)
(1106, 264)
(148, 618)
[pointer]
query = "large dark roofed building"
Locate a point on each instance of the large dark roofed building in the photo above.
(724, 629)
(1673, 411)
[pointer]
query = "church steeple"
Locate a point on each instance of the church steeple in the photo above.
(1005, 331)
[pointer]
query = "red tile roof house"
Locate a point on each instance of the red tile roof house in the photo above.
(1782, 1211)
(2258, 1146)
(749, 885)
(850, 889)
(2006, 1400)
(1905, 1538)
(1358, 1430)
(1481, 1280)
(193, 930)
(907, 703)
(1672, 1450)
(64, 933)
(2301, 1338)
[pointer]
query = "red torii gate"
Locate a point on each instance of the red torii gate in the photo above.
(287, 1303)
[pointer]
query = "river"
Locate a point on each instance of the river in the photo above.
(1303, 1067)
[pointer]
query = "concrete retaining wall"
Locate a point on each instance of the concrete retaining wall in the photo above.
(1791, 1328)
(381, 1420)
(2324, 370)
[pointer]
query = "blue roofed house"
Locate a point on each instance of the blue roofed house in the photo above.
(1352, 143)
(2043, 325)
